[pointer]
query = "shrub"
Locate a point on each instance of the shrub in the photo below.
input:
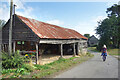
(28, 67)
(13, 61)
(22, 71)
(4, 71)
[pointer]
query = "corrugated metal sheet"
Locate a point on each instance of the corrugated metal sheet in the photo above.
(45, 30)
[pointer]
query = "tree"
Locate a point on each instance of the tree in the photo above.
(2, 23)
(113, 10)
(87, 35)
(108, 29)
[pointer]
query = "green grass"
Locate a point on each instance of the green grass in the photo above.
(93, 49)
(60, 65)
(114, 52)
(28, 70)
(110, 51)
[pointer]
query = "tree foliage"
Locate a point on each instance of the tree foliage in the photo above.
(87, 35)
(113, 10)
(2, 23)
(108, 29)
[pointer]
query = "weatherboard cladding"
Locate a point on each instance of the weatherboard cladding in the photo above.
(45, 30)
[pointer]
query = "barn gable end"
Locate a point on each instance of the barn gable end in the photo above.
(20, 32)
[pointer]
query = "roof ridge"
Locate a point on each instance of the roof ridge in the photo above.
(42, 22)
(46, 30)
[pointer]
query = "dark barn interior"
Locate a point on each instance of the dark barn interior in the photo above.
(45, 48)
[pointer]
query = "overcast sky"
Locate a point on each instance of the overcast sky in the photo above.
(80, 16)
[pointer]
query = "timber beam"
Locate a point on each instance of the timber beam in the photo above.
(58, 41)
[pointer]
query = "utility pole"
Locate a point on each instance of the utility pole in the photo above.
(10, 28)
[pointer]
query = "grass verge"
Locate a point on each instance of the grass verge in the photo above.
(93, 49)
(60, 65)
(42, 71)
(114, 52)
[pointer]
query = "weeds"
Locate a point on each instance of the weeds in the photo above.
(13, 61)
(59, 65)
(47, 69)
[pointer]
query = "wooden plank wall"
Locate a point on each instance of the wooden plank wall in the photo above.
(21, 32)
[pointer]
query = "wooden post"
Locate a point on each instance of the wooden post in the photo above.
(14, 45)
(0, 47)
(36, 53)
(74, 49)
(61, 50)
(3, 47)
(82, 46)
(77, 48)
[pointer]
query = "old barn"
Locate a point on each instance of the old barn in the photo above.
(43, 38)
(93, 41)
